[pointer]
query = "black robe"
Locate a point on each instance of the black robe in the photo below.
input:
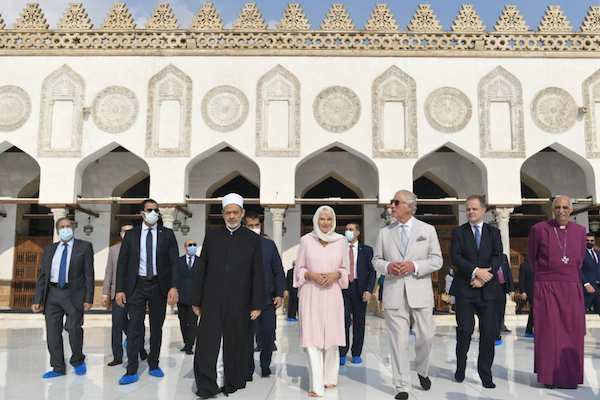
(229, 283)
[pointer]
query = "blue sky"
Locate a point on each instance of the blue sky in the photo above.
(272, 10)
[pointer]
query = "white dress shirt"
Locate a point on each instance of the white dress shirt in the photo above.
(144, 235)
(480, 225)
(57, 257)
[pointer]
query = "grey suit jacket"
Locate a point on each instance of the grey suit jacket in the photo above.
(110, 276)
(424, 249)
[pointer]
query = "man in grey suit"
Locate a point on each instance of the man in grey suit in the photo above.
(65, 287)
(407, 252)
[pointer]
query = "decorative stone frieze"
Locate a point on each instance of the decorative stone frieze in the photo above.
(32, 18)
(448, 110)
(207, 18)
(15, 106)
(250, 18)
(169, 84)
(555, 21)
(554, 110)
(591, 23)
(278, 85)
(115, 109)
(224, 108)
(382, 19)
(75, 18)
(162, 18)
(118, 18)
(511, 20)
(338, 19)
(394, 85)
(424, 20)
(591, 97)
(2, 24)
(501, 86)
(294, 18)
(467, 20)
(337, 109)
(62, 85)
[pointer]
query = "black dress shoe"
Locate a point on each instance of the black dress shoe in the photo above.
(550, 386)
(249, 378)
(189, 352)
(143, 354)
(115, 362)
(265, 371)
(489, 385)
(183, 348)
(425, 382)
(459, 376)
(203, 395)
(402, 396)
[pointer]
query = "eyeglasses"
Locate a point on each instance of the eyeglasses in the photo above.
(152, 210)
(396, 202)
(192, 244)
(591, 241)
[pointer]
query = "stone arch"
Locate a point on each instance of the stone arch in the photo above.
(337, 177)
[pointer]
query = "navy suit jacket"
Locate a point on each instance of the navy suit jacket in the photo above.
(589, 270)
(186, 278)
(274, 275)
(364, 269)
(509, 282)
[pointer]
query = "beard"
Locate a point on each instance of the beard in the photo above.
(232, 225)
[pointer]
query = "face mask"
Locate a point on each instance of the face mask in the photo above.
(65, 234)
(349, 235)
(192, 250)
(151, 217)
(256, 230)
(589, 245)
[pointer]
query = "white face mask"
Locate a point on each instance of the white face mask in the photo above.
(256, 230)
(349, 235)
(151, 218)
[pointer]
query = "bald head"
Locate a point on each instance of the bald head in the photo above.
(562, 208)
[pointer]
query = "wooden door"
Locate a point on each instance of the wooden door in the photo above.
(27, 266)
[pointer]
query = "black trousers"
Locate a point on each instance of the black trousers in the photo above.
(592, 298)
(267, 324)
(355, 310)
(293, 305)
(145, 291)
(58, 304)
(120, 326)
(188, 323)
(500, 309)
(529, 328)
(466, 309)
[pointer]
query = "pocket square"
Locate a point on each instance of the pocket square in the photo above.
(421, 238)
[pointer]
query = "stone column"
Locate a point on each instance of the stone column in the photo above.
(502, 219)
(168, 216)
(58, 213)
(278, 216)
(387, 215)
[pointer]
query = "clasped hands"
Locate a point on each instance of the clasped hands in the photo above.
(401, 268)
(482, 276)
(253, 314)
(323, 279)
(172, 298)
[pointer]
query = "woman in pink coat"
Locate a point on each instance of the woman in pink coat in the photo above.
(321, 274)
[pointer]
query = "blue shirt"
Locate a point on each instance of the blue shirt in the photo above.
(143, 261)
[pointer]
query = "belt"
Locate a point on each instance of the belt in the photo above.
(53, 284)
(146, 278)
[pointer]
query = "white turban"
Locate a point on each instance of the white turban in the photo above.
(233, 198)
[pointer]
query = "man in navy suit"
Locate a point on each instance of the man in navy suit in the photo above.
(507, 285)
(590, 274)
(65, 287)
(188, 320)
(275, 283)
(357, 296)
(476, 254)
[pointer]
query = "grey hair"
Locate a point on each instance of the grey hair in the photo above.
(62, 219)
(559, 196)
(410, 199)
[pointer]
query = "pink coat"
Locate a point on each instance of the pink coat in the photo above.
(321, 307)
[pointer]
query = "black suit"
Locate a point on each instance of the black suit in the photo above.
(590, 273)
(355, 309)
(292, 295)
(526, 281)
(466, 256)
(138, 290)
(68, 301)
(188, 320)
(507, 287)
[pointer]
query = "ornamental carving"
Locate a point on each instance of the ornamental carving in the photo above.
(207, 18)
(115, 109)
(338, 19)
(32, 18)
(467, 20)
(75, 18)
(501, 86)
(224, 108)
(554, 110)
(250, 18)
(118, 18)
(64, 85)
(448, 110)
(511, 20)
(279, 84)
(294, 18)
(555, 21)
(424, 20)
(394, 85)
(591, 97)
(16, 108)
(337, 109)
(592, 20)
(2, 24)
(162, 18)
(382, 19)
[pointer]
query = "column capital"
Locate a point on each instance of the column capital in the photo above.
(387, 215)
(168, 214)
(277, 214)
(503, 213)
(58, 213)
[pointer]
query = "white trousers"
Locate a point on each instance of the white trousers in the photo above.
(220, 369)
(323, 368)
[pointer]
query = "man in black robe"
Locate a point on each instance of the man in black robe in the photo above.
(229, 292)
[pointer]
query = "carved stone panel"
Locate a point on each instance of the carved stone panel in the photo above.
(15, 107)
(170, 84)
(554, 110)
(279, 84)
(591, 97)
(337, 109)
(62, 85)
(448, 110)
(501, 86)
(394, 85)
(224, 108)
(115, 109)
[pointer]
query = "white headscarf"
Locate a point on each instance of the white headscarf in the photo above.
(330, 236)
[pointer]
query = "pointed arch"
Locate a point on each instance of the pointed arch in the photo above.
(337, 177)
(18, 170)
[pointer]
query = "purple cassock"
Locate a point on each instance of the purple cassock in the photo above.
(556, 255)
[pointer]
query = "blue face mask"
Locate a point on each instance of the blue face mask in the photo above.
(192, 250)
(589, 245)
(349, 235)
(65, 234)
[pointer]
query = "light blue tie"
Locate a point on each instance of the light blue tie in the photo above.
(404, 238)
(477, 235)
(62, 272)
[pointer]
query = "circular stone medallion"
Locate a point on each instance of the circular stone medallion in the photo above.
(554, 110)
(448, 110)
(115, 109)
(15, 108)
(224, 108)
(337, 109)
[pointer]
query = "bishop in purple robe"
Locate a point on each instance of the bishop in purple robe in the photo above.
(556, 250)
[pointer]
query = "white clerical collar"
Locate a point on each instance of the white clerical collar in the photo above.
(232, 230)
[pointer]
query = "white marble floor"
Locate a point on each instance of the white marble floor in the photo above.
(24, 358)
